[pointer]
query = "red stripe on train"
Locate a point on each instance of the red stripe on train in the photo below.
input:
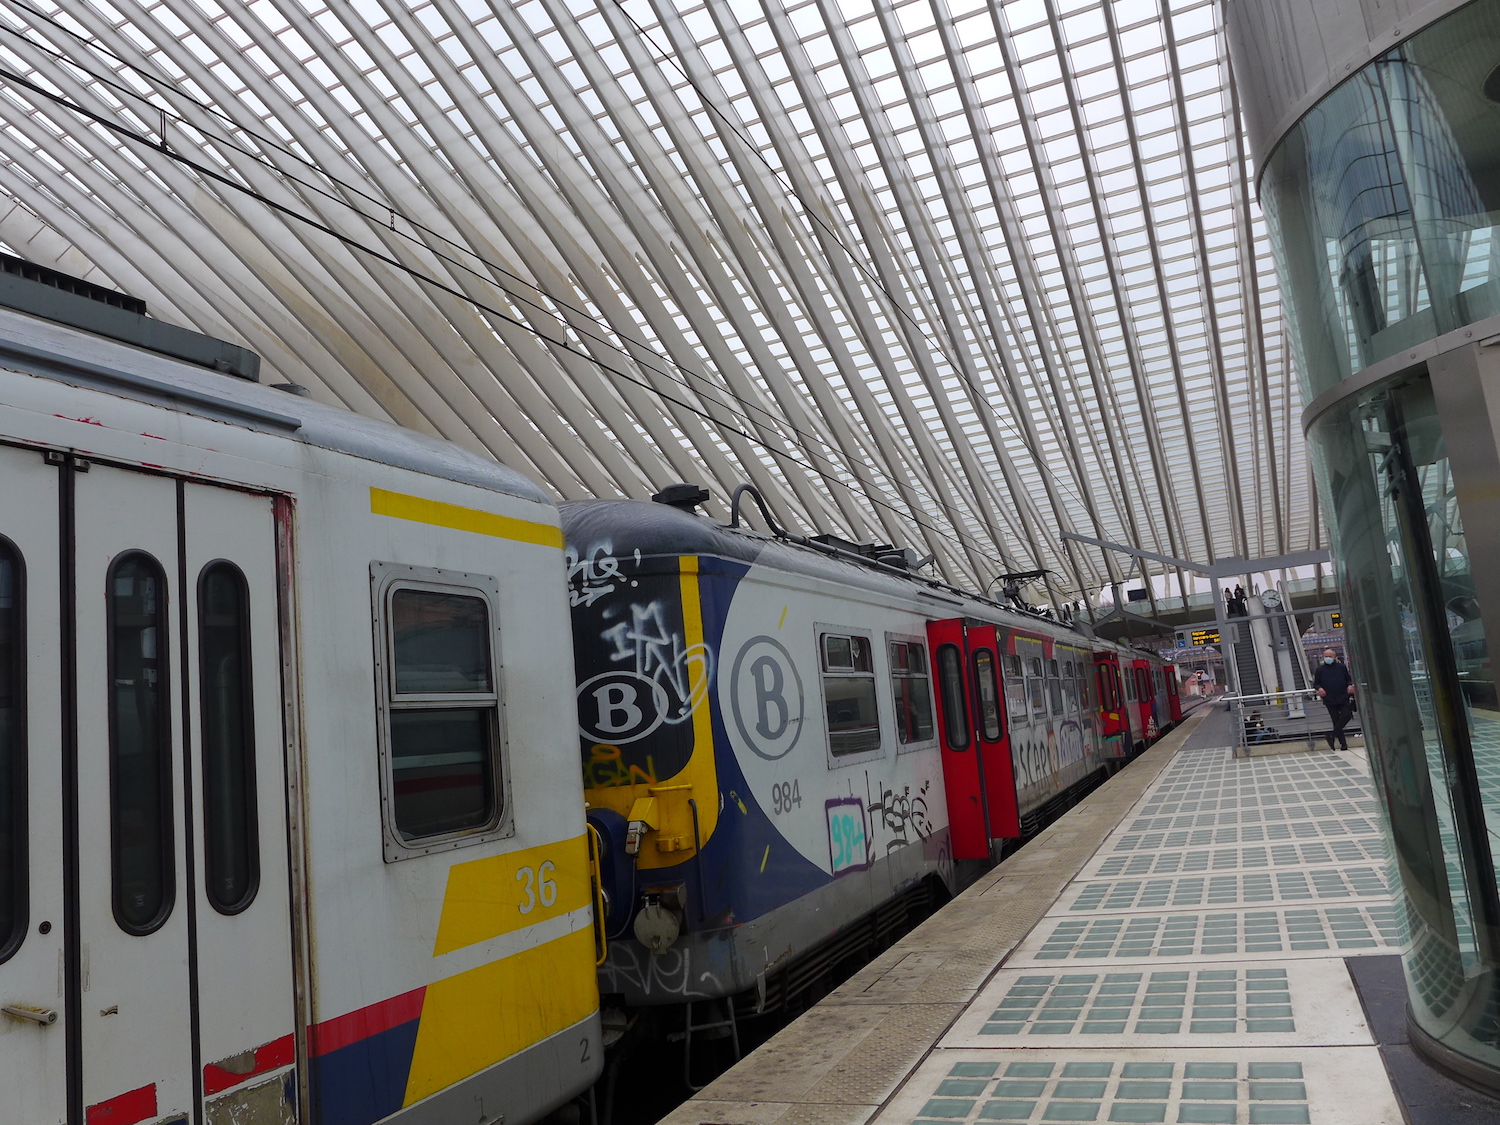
(124, 1109)
(278, 1053)
(343, 1030)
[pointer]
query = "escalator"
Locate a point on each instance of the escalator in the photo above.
(1248, 670)
(1282, 631)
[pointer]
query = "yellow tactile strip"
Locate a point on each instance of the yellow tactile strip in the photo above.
(837, 1063)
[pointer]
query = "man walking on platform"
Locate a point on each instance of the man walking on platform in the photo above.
(1336, 688)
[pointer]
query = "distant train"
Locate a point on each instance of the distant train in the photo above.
(291, 827)
(783, 737)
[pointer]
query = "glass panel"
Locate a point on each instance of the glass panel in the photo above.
(1426, 696)
(140, 744)
(442, 642)
(1383, 205)
(230, 844)
(951, 691)
(853, 720)
(989, 695)
(13, 797)
(912, 691)
(860, 650)
(837, 652)
(442, 774)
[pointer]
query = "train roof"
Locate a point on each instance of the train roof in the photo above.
(39, 346)
(657, 530)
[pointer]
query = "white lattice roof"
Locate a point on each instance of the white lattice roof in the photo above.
(955, 275)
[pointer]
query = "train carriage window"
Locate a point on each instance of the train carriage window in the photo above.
(1015, 688)
(951, 693)
(911, 688)
(444, 777)
(1036, 684)
(140, 744)
(1129, 687)
(230, 835)
(987, 696)
(849, 694)
(1054, 687)
(13, 795)
(1107, 699)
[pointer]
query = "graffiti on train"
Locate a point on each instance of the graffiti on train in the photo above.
(1040, 758)
(607, 768)
(902, 815)
(656, 654)
(668, 974)
(593, 572)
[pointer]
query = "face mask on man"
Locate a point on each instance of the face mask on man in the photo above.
(1327, 660)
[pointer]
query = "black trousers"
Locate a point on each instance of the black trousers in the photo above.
(1339, 715)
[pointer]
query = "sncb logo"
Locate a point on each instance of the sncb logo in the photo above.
(621, 707)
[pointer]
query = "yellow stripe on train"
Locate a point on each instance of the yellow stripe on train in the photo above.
(498, 894)
(475, 1019)
(398, 505)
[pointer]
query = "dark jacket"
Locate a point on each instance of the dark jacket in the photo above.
(1335, 680)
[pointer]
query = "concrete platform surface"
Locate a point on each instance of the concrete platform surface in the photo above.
(1171, 950)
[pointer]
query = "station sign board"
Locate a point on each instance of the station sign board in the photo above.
(1337, 619)
(1205, 637)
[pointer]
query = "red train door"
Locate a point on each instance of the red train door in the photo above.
(1114, 720)
(1174, 696)
(989, 725)
(977, 773)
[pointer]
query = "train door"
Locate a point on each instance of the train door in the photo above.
(183, 965)
(989, 725)
(1174, 692)
(33, 922)
(977, 773)
(1145, 701)
(1114, 719)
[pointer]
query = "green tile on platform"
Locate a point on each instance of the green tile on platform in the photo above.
(1077, 1089)
(1279, 1115)
(947, 1107)
(962, 1087)
(1147, 1070)
(1211, 1070)
(1071, 1111)
(1010, 1088)
(1141, 1111)
(1029, 1070)
(1278, 1092)
(1007, 1111)
(1152, 1090)
(1211, 1091)
(1088, 1069)
(1209, 1114)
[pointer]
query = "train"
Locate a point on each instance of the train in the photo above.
(291, 823)
(788, 741)
(293, 829)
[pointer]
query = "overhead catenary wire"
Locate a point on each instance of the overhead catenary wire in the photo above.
(780, 422)
(488, 309)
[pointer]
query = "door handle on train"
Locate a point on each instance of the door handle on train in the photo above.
(46, 1017)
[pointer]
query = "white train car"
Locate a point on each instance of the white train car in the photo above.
(291, 831)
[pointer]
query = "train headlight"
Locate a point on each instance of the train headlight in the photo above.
(656, 927)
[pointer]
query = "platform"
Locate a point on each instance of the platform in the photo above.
(1172, 950)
